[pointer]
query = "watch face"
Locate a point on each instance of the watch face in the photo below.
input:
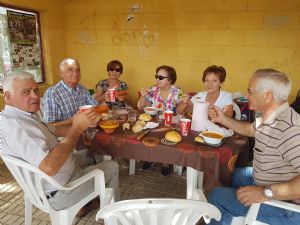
(268, 192)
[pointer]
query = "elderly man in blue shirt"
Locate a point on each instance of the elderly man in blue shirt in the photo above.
(62, 100)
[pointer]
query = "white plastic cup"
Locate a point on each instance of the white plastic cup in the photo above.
(85, 107)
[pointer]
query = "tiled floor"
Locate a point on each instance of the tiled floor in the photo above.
(141, 185)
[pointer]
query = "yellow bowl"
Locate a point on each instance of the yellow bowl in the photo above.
(109, 126)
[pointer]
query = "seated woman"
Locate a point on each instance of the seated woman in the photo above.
(213, 79)
(115, 70)
(164, 95)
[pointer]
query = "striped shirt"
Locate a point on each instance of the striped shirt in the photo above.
(24, 136)
(277, 147)
(61, 102)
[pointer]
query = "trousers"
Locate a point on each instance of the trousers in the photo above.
(224, 198)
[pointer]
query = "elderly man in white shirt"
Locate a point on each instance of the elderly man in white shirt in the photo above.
(25, 136)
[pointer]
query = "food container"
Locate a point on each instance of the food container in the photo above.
(109, 126)
(211, 137)
(151, 110)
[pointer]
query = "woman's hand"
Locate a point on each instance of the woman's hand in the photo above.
(121, 95)
(144, 92)
(186, 98)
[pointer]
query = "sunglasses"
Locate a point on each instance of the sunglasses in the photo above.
(118, 70)
(160, 77)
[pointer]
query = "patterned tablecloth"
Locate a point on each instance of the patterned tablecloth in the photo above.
(218, 160)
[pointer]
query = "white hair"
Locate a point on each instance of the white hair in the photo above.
(67, 61)
(9, 79)
(274, 81)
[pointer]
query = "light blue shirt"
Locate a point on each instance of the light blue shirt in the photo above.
(61, 102)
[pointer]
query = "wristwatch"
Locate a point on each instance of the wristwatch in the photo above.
(268, 193)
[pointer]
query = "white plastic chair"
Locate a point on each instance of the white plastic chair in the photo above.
(237, 111)
(31, 181)
(159, 211)
(251, 216)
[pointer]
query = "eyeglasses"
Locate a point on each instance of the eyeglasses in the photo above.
(118, 70)
(160, 77)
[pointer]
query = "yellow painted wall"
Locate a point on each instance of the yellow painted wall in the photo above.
(241, 35)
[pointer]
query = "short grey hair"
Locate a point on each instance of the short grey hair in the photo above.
(8, 80)
(67, 61)
(274, 81)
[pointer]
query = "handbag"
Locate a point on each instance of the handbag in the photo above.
(296, 104)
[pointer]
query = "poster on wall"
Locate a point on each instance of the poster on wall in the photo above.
(23, 41)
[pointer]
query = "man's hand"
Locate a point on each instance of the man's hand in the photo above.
(216, 114)
(251, 194)
(84, 120)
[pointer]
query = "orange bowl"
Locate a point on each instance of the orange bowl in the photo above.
(109, 126)
(101, 109)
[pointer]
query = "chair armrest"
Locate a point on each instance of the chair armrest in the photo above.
(254, 208)
(284, 205)
(91, 175)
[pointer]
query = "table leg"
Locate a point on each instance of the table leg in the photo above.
(194, 181)
(131, 166)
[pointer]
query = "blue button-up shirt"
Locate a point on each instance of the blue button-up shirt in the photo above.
(61, 102)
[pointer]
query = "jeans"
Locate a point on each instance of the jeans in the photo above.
(224, 198)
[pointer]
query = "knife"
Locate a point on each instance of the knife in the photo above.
(158, 128)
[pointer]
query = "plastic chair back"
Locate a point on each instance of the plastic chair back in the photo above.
(158, 211)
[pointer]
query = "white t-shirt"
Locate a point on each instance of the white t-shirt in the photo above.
(224, 99)
(24, 136)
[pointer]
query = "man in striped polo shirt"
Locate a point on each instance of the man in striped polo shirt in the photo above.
(276, 163)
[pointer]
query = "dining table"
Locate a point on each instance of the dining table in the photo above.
(203, 162)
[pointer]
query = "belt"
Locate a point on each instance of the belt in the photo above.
(51, 194)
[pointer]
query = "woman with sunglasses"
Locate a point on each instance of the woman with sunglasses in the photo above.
(164, 95)
(213, 79)
(115, 70)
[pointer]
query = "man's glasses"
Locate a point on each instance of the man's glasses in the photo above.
(118, 70)
(160, 77)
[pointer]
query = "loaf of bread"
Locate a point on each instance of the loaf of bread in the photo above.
(173, 136)
(145, 117)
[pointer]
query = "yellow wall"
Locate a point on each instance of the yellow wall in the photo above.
(241, 35)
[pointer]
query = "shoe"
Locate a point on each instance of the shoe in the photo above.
(94, 204)
(165, 171)
(147, 165)
(123, 163)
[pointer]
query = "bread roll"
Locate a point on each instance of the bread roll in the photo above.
(145, 117)
(137, 128)
(199, 139)
(173, 136)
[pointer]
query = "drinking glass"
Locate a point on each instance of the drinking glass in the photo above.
(131, 115)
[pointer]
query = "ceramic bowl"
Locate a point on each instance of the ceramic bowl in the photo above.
(211, 137)
(151, 110)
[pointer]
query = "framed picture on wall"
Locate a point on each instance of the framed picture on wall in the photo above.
(20, 45)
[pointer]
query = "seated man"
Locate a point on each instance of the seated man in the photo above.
(276, 164)
(38, 145)
(62, 101)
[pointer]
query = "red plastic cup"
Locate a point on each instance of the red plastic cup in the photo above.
(112, 94)
(168, 117)
(185, 126)
(85, 107)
